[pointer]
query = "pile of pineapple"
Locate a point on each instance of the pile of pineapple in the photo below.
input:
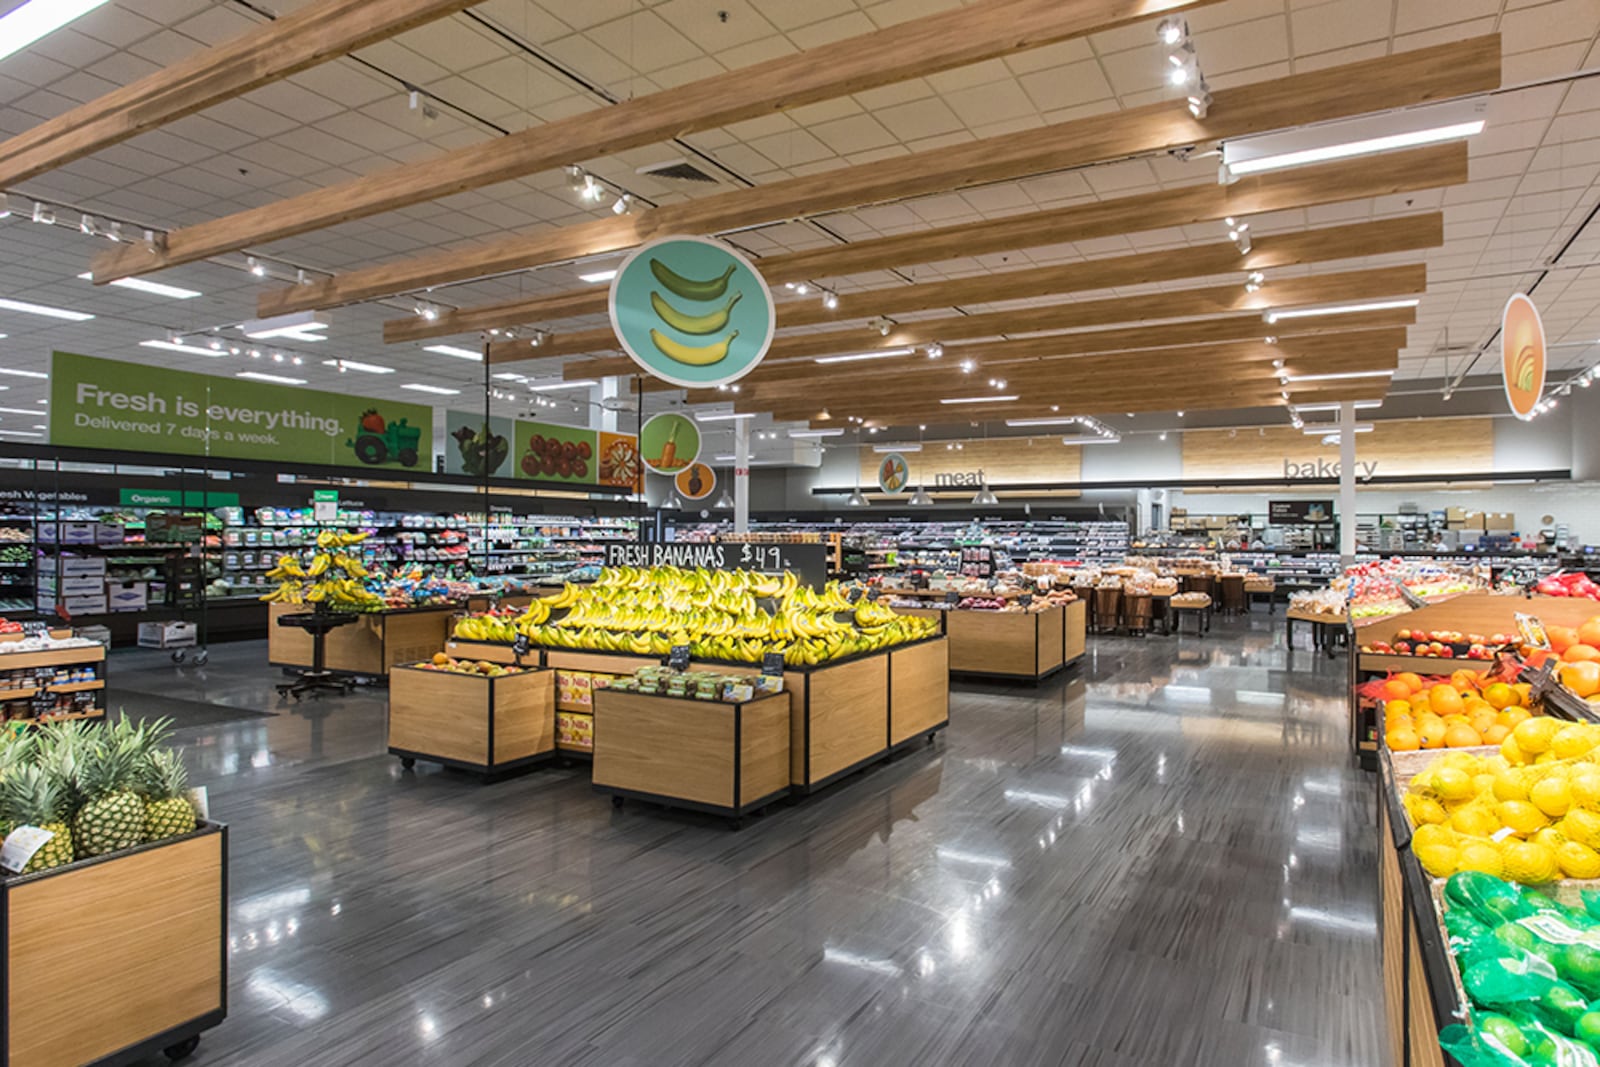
(97, 789)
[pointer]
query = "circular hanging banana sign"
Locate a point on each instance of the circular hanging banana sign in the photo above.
(692, 311)
(1522, 355)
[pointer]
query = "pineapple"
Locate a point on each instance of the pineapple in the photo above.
(112, 816)
(15, 752)
(168, 812)
(33, 798)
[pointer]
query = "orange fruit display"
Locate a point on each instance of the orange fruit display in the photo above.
(1462, 736)
(1500, 696)
(1410, 680)
(1582, 677)
(1395, 689)
(1581, 654)
(1561, 638)
(1431, 733)
(1402, 739)
(1444, 700)
(1589, 632)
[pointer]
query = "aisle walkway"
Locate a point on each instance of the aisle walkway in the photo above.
(1163, 858)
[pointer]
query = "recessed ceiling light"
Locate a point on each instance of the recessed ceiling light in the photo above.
(300, 325)
(40, 309)
(452, 350)
(173, 346)
(1065, 420)
(598, 276)
(977, 399)
(727, 416)
(37, 18)
(278, 378)
(1335, 407)
(437, 389)
(350, 364)
(22, 373)
(510, 376)
(153, 288)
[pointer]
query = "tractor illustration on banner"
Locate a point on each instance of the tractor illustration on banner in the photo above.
(377, 442)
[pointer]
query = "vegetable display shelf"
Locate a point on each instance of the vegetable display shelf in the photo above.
(489, 725)
(111, 960)
(721, 757)
(843, 715)
(46, 699)
(1030, 645)
(376, 644)
(1482, 613)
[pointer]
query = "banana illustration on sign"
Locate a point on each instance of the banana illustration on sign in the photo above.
(698, 357)
(689, 288)
(711, 322)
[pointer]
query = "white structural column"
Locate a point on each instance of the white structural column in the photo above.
(1347, 483)
(741, 475)
(610, 388)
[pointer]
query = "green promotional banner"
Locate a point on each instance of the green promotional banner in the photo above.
(475, 448)
(171, 498)
(135, 407)
(692, 311)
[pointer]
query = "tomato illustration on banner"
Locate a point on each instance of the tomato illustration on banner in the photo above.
(692, 311)
(894, 473)
(696, 481)
(669, 442)
(1522, 355)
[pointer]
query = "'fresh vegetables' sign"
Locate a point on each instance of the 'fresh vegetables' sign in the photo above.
(107, 403)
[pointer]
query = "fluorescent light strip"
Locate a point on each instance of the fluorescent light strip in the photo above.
(1359, 404)
(598, 276)
(153, 288)
(1340, 377)
(174, 346)
(22, 373)
(19, 433)
(35, 412)
(897, 448)
(815, 433)
(1357, 148)
(551, 387)
(1064, 420)
(40, 309)
(857, 356)
(730, 416)
(1333, 429)
(1091, 439)
(350, 364)
(277, 378)
(436, 389)
(978, 399)
(1339, 309)
(38, 18)
(452, 350)
(510, 376)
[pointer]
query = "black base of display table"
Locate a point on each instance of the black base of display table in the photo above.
(318, 679)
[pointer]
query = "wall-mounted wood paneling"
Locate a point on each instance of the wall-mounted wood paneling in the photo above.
(1448, 446)
(1013, 461)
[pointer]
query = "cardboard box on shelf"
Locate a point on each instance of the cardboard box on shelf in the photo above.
(71, 587)
(126, 596)
(73, 566)
(74, 605)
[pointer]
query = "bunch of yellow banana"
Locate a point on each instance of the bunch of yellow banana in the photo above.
(536, 613)
(288, 567)
(486, 628)
(566, 598)
(350, 565)
(329, 539)
(289, 592)
(319, 564)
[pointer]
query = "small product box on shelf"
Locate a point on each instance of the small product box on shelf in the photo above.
(169, 634)
(75, 605)
(67, 533)
(107, 534)
(74, 566)
(71, 587)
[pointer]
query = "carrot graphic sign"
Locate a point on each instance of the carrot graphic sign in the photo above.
(1522, 355)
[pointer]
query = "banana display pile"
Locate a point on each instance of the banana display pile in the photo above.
(726, 615)
(333, 577)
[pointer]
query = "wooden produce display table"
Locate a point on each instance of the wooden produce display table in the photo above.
(1325, 629)
(705, 755)
(844, 715)
(1074, 631)
(491, 726)
(380, 641)
(110, 960)
(1007, 644)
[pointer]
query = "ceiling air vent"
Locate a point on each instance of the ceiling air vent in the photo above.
(678, 170)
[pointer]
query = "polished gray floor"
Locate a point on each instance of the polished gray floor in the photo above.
(1162, 858)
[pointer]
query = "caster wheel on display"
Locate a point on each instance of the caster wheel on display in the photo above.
(407, 762)
(183, 1049)
(177, 657)
(616, 802)
(736, 824)
(201, 657)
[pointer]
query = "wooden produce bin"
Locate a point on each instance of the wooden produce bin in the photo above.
(380, 641)
(705, 755)
(1074, 631)
(919, 691)
(491, 726)
(49, 660)
(111, 960)
(1030, 645)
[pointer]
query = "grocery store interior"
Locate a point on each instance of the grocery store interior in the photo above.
(685, 532)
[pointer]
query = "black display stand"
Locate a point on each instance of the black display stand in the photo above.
(318, 624)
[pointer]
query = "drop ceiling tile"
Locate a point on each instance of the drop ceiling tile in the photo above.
(1066, 87)
(857, 133)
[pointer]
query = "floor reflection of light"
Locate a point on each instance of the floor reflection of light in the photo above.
(1332, 920)
(428, 1027)
(865, 963)
(261, 758)
(960, 937)
(926, 964)
(1188, 694)
(1049, 800)
(265, 905)
(276, 991)
(958, 856)
(1093, 753)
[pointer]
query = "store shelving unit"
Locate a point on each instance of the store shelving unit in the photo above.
(51, 685)
(18, 562)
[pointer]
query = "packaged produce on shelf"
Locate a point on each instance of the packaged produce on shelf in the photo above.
(1576, 584)
(1381, 587)
(1191, 600)
(97, 790)
(697, 685)
(1463, 710)
(738, 616)
(1329, 602)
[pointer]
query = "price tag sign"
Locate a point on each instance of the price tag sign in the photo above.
(873, 594)
(35, 628)
(678, 658)
(521, 645)
(20, 846)
(772, 663)
(1025, 599)
(1532, 630)
(855, 594)
(952, 598)
(201, 802)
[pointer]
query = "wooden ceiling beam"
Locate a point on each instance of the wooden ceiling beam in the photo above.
(972, 34)
(300, 40)
(1406, 234)
(1430, 167)
(1420, 76)
(1402, 281)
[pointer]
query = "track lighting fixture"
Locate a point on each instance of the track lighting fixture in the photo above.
(1239, 234)
(44, 214)
(967, 366)
(575, 177)
(623, 205)
(1172, 31)
(1200, 100)
(935, 350)
(88, 226)
(592, 191)
(5, 206)
(1254, 281)
(830, 300)
(255, 266)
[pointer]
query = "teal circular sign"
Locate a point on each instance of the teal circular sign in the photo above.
(692, 311)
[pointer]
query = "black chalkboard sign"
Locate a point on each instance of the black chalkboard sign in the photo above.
(854, 595)
(1025, 599)
(521, 645)
(952, 598)
(772, 663)
(35, 628)
(873, 594)
(678, 658)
